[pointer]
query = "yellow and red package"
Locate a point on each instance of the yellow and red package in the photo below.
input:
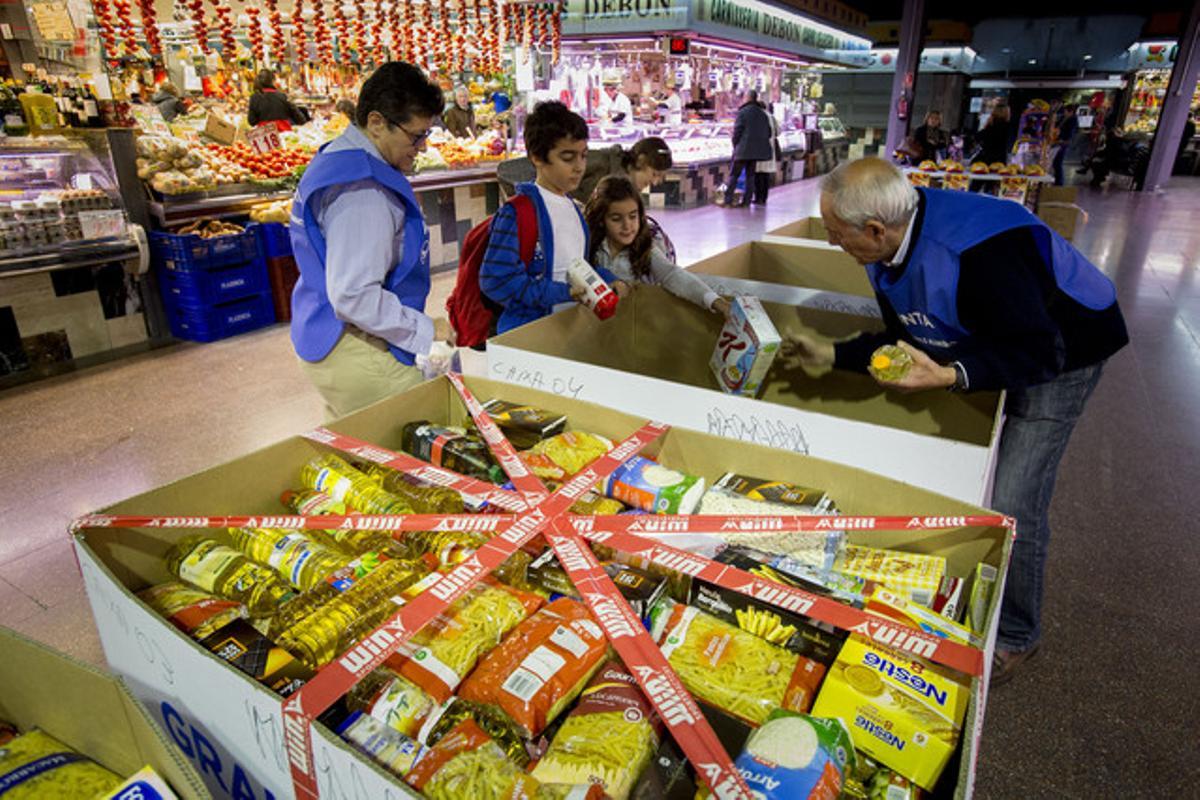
(448, 648)
(194, 612)
(541, 666)
(467, 763)
(561, 456)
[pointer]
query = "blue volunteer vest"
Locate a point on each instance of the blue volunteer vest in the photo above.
(315, 326)
(925, 294)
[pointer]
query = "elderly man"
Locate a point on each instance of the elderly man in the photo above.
(983, 296)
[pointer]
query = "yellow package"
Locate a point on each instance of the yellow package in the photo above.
(887, 604)
(561, 456)
(914, 576)
(903, 712)
(38, 765)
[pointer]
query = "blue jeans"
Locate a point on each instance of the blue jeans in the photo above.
(1038, 425)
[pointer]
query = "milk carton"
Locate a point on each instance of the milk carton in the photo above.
(747, 346)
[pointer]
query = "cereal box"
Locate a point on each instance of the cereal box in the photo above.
(903, 712)
(747, 346)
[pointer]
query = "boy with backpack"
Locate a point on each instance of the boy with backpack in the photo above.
(532, 239)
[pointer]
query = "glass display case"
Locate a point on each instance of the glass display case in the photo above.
(70, 262)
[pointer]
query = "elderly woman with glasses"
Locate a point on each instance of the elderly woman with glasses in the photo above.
(358, 310)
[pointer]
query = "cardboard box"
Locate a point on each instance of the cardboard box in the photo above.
(807, 228)
(652, 359)
(745, 349)
(220, 130)
(799, 272)
(234, 723)
(89, 711)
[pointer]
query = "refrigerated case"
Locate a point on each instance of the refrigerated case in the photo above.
(71, 265)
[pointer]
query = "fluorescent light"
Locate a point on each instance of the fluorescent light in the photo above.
(1087, 56)
(1033, 61)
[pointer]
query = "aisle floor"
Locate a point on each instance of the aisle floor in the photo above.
(1106, 709)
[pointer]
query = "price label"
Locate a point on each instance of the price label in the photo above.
(264, 139)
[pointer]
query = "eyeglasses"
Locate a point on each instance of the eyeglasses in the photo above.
(417, 139)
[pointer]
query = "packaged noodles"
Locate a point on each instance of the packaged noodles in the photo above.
(466, 763)
(608, 738)
(797, 757)
(561, 456)
(733, 670)
(502, 730)
(648, 485)
(36, 765)
(192, 611)
(449, 647)
(902, 711)
(914, 576)
(541, 666)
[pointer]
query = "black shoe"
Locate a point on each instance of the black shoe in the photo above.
(1005, 663)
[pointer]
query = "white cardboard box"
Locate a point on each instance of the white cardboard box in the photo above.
(230, 726)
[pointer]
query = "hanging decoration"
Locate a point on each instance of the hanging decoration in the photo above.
(381, 17)
(128, 32)
(429, 34)
(396, 31)
(299, 35)
(321, 34)
(199, 26)
(225, 27)
(361, 45)
(541, 26)
(412, 36)
(150, 27)
(108, 32)
(278, 42)
(556, 33)
(341, 26)
(254, 33)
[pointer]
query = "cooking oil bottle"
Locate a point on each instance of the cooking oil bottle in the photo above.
(425, 499)
(890, 363)
(206, 563)
(311, 503)
(300, 558)
(335, 477)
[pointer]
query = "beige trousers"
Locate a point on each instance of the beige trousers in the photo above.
(358, 372)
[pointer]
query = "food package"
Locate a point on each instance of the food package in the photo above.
(979, 168)
(915, 576)
(145, 784)
(466, 763)
(36, 765)
(668, 777)
(244, 647)
(797, 757)
(608, 738)
(640, 588)
(785, 569)
(561, 456)
(890, 362)
(449, 647)
(982, 587)
(733, 670)
(391, 749)
(873, 781)
(648, 485)
(949, 600)
(524, 425)
(494, 722)
(928, 166)
(959, 182)
(453, 448)
(902, 711)
(791, 631)
(745, 349)
(194, 612)
(541, 666)
(887, 604)
(395, 701)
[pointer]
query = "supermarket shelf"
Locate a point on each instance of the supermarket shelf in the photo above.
(228, 201)
(68, 255)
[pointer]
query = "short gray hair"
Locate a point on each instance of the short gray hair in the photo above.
(859, 195)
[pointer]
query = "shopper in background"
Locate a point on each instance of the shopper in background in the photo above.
(556, 140)
(996, 136)
(358, 309)
(983, 296)
(673, 105)
(624, 242)
(1067, 127)
(615, 106)
(169, 103)
(268, 104)
(764, 171)
(931, 138)
(460, 117)
(751, 143)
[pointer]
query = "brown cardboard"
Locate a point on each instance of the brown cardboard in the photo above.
(219, 129)
(807, 228)
(88, 711)
(118, 562)
(802, 263)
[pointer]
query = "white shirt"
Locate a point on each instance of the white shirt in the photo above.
(569, 237)
(902, 253)
(611, 107)
(674, 110)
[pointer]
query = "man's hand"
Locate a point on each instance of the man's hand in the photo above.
(800, 350)
(924, 374)
(722, 306)
(443, 332)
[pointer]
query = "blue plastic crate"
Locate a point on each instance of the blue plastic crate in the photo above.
(221, 321)
(276, 238)
(189, 252)
(209, 287)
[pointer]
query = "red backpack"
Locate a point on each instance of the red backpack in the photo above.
(472, 315)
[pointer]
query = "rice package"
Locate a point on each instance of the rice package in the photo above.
(541, 666)
(36, 765)
(733, 669)
(648, 485)
(561, 456)
(607, 740)
(448, 648)
(745, 349)
(797, 757)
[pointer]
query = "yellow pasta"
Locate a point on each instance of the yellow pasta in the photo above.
(605, 749)
(38, 765)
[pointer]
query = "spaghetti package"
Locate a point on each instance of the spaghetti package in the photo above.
(194, 612)
(561, 456)
(607, 740)
(541, 666)
(467, 763)
(733, 669)
(36, 764)
(502, 730)
(449, 647)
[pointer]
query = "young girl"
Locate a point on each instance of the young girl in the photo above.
(624, 243)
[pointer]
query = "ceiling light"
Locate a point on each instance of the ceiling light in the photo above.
(1087, 56)
(1033, 61)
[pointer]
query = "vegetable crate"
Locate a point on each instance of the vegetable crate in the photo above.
(222, 320)
(248, 742)
(275, 236)
(189, 252)
(204, 288)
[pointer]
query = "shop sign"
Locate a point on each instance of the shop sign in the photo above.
(1153, 55)
(766, 22)
(624, 16)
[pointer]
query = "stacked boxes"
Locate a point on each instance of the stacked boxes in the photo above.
(282, 272)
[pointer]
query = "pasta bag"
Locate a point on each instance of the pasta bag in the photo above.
(466, 763)
(36, 765)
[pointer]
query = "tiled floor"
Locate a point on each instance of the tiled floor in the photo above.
(1106, 710)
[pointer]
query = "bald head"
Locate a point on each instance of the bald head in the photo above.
(866, 205)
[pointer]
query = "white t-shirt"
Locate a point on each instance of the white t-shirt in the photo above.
(615, 106)
(569, 238)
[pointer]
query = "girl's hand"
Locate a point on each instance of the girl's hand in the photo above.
(622, 288)
(722, 306)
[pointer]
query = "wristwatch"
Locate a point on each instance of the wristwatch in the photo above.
(960, 378)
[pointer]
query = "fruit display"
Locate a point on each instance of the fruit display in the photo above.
(274, 211)
(275, 164)
(172, 166)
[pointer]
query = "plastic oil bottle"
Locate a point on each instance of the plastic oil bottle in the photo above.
(310, 503)
(335, 477)
(297, 557)
(890, 363)
(425, 499)
(214, 567)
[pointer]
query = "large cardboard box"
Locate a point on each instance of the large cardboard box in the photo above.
(89, 711)
(1058, 207)
(234, 724)
(652, 359)
(798, 272)
(807, 228)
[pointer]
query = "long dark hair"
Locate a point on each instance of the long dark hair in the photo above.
(614, 189)
(651, 152)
